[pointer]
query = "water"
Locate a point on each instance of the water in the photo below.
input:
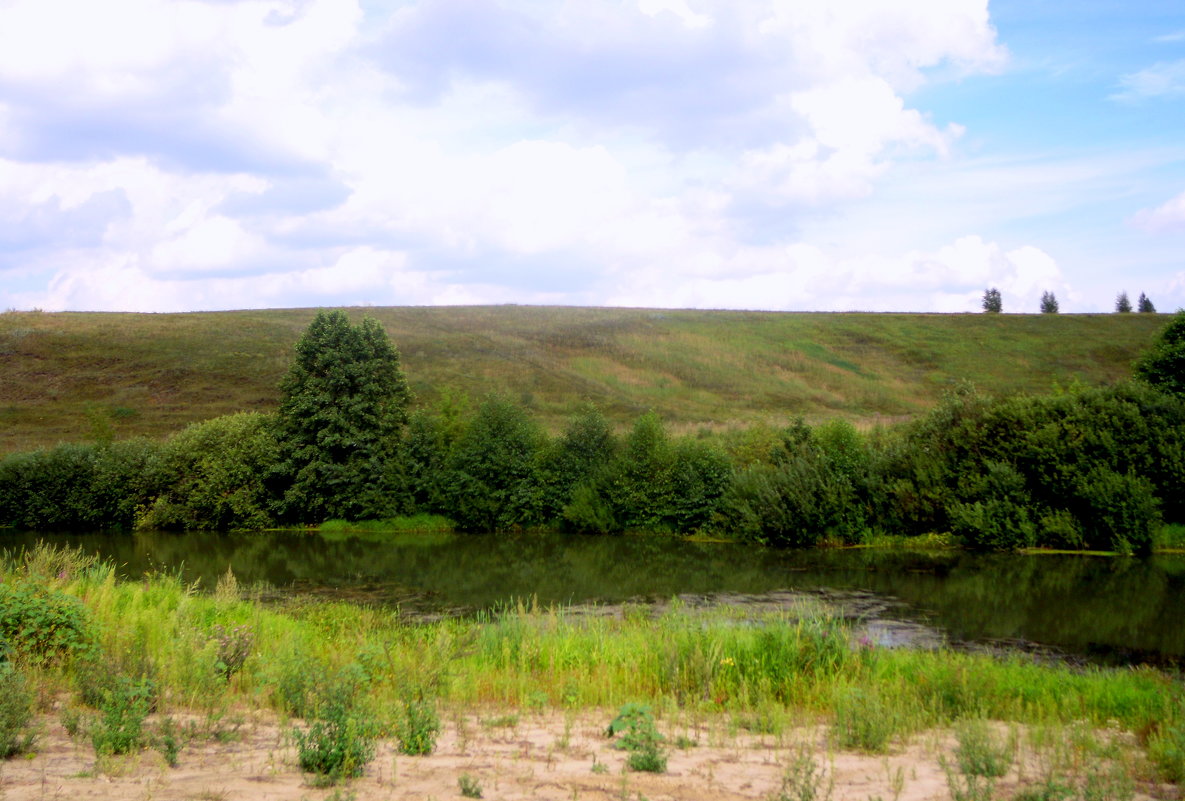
(1117, 610)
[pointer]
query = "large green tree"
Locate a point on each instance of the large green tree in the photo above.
(344, 404)
(1163, 366)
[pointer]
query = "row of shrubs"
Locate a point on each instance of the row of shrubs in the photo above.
(1097, 468)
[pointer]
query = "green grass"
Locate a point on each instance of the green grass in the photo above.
(80, 376)
(159, 630)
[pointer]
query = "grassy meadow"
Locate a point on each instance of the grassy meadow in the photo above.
(85, 376)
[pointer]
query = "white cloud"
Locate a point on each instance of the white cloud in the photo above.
(806, 277)
(1168, 216)
(1164, 79)
(298, 152)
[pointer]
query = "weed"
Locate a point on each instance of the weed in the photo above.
(970, 787)
(295, 683)
(1166, 751)
(640, 737)
(599, 768)
(683, 742)
(804, 780)
(16, 710)
(469, 785)
(72, 721)
(1108, 785)
(418, 726)
(234, 646)
(120, 726)
(339, 743)
(864, 722)
(42, 625)
(501, 722)
(979, 752)
(168, 742)
(1051, 788)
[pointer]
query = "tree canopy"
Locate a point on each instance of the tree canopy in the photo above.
(1049, 303)
(1163, 366)
(344, 404)
(992, 302)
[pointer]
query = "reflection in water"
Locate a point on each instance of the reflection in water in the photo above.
(1107, 608)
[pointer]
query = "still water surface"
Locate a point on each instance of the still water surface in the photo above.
(1109, 609)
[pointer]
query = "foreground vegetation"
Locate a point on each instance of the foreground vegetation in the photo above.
(80, 377)
(113, 652)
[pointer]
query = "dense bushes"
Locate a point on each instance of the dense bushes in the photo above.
(215, 475)
(1093, 468)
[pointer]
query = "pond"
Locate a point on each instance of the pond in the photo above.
(1117, 610)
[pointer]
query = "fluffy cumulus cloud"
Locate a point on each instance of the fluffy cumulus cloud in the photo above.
(188, 154)
(1169, 216)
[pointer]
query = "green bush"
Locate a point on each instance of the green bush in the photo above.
(493, 480)
(339, 742)
(640, 737)
(1119, 512)
(216, 475)
(1163, 366)
(418, 725)
(78, 486)
(41, 625)
(16, 711)
(123, 708)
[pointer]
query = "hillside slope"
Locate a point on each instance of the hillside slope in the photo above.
(76, 376)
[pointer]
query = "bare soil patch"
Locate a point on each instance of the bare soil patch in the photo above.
(549, 755)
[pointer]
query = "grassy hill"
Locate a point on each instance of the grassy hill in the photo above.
(76, 376)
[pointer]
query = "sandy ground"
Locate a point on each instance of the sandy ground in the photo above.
(543, 756)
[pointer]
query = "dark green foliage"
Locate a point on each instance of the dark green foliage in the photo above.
(1163, 366)
(643, 484)
(493, 478)
(216, 474)
(1118, 512)
(992, 302)
(16, 711)
(810, 493)
(344, 403)
(1084, 468)
(1145, 305)
(700, 475)
(588, 512)
(1049, 303)
(575, 469)
(1122, 304)
(73, 486)
(1000, 516)
(41, 625)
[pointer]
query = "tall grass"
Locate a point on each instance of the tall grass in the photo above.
(162, 631)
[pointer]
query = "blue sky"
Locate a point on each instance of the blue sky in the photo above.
(172, 155)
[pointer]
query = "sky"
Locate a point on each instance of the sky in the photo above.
(804, 155)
